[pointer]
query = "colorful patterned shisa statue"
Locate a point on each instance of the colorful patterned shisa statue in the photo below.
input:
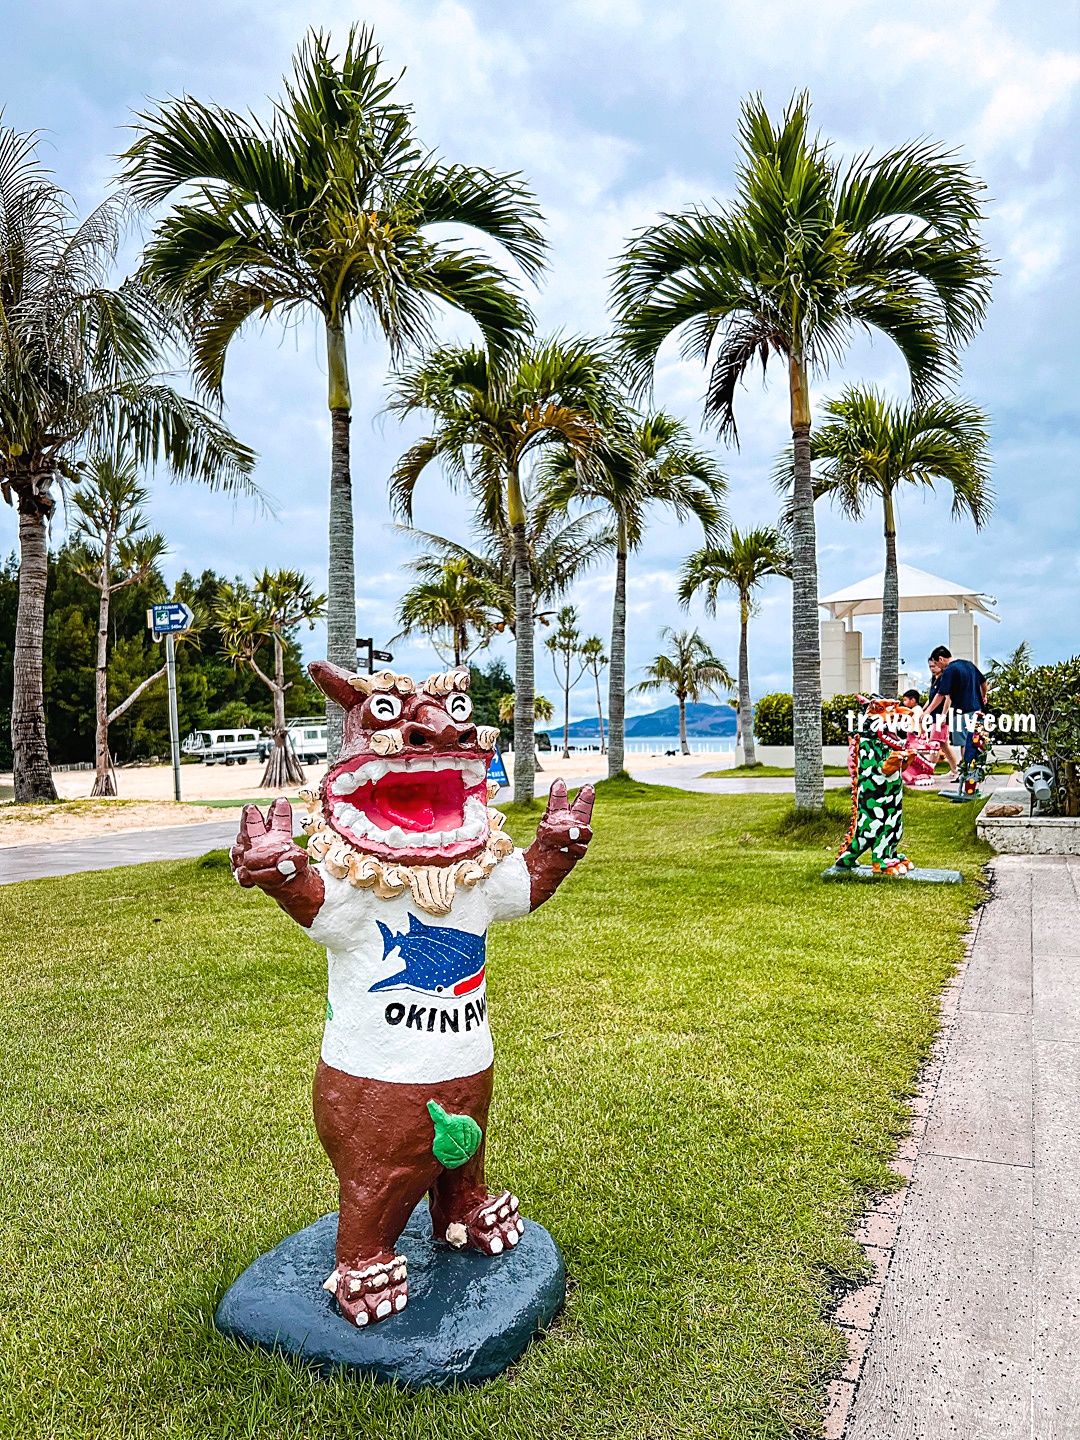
(405, 870)
(876, 756)
(975, 760)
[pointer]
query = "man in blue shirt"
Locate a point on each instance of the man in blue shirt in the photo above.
(959, 689)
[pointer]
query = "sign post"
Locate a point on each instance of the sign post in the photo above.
(170, 620)
(383, 656)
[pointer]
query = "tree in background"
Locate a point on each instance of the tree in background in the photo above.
(80, 372)
(454, 604)
(806, 255)
(644, 462)
(560, 550)
(326, 210)
(113, 549)
(867, 447)
(542, 708)
(689, 669)
(212, 693)
(493, 415)
(277, 602)
(592, 653)
(742, 562)
(565, 645)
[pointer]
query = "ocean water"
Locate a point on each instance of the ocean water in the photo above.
(659, 745)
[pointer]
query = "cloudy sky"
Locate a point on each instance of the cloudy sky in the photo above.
(616, 110)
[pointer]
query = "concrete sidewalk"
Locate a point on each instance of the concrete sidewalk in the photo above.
(126, 847)
(977, 1335)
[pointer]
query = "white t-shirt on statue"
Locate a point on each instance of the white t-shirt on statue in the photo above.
(407, 998)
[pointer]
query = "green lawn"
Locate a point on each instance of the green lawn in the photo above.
(702, 1056)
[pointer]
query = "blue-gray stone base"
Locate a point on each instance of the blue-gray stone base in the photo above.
(866, 872)
(469, 1315)
(959, 799)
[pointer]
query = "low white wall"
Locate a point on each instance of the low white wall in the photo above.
(784, 755)
(1028, 834)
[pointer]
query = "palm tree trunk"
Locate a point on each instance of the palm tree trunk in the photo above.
(341, 580)
(600, 711)
(566, 710)
(682, 726)
(746, 713)
(103, 779)
(525, 641)
(617, 672)
(32, 771)
(805, 638)
(889, 672)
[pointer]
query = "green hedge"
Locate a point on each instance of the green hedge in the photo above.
(773, 723)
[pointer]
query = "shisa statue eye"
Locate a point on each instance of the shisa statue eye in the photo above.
(384, 707)
(458, 706)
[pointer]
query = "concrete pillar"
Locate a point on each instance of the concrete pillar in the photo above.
(964, 636)
(852, 661)
(833, 659)
(869, 682)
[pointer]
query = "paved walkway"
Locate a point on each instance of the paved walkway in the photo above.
(108, 852)
(977, 1336)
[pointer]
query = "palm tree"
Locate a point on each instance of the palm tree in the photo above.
(565, 646)
(326, 210)
(808, 253)
(79, 374)
(542, 707)
(592, 652)
(112, 549)
(645, 461)
(456, 604)
(492, 417)
(276, 603)
(559, 551)
(868, 447)
(690, 669)
(742, 563)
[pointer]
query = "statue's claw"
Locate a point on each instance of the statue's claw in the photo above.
(370, 1293)
(491, 1227)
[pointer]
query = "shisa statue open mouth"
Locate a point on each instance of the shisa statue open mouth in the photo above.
(415, 806)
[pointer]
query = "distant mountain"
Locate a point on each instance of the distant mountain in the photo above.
(700, 720)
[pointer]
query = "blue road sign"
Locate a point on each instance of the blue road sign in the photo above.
(497, 770)
(172, 618)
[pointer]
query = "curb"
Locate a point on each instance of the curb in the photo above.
(879, 1227)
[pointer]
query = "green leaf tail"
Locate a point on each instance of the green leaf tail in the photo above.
(457, 1137)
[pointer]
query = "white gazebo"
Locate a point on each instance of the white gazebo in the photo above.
(845, 670)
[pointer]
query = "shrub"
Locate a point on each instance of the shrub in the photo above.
(773, 722)
(1051, 693)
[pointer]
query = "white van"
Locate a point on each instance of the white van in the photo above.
(308, 739)
(223, 747)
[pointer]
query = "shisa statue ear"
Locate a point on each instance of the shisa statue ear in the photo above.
(336, 683)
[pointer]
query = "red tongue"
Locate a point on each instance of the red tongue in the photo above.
(423, 801)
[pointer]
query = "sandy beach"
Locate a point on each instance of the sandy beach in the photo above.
(145, 801)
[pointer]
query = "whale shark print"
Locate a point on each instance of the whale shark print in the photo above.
(437, 960)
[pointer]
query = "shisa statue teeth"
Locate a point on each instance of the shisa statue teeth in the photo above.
(405, 870)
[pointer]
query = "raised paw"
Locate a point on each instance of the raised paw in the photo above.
(491, 1227)
(371, 1293)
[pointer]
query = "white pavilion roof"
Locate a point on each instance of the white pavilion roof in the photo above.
(919, 590)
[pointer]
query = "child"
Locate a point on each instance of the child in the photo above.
(923, 746)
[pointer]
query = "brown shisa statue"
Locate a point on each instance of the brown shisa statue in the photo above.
(405, 870)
